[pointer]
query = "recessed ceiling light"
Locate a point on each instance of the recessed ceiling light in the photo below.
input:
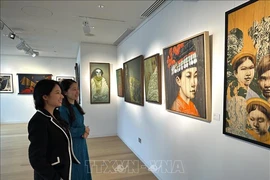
(101, 6)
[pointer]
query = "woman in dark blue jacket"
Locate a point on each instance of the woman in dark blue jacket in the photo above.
(50, 150)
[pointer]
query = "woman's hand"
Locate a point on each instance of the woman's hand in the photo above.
(86, 133)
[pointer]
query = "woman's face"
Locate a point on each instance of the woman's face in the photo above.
(54, 99)
(188, 82)
(245, 72)
(73, 92)
(259, 122)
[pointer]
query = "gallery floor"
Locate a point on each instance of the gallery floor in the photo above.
(110, 158)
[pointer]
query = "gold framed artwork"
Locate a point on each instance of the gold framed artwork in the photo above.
(187, 77)
(152, 78)
(99, 83)
(133, 81)
(247, 73)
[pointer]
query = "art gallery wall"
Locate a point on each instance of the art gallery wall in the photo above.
(17, 108)
(176, 146)
(101, 118)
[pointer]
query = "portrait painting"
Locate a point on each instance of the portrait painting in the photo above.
(99, 83)
(119, 81)
(133, 81)
(27, 82)
(187, 77)
(152, 79)
(6, 83)
(61, 78)
(247, 73)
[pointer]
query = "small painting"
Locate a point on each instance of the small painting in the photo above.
(152, 79)
(133, 81)
(119, 81)
(27, 82)
(6, 83)
(60, 78)
(99, 83)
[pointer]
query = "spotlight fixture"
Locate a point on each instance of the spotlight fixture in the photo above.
(87, 29)
(26, 48)
(22, 45)
(12, 35)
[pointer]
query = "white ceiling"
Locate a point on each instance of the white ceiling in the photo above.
(54, 28)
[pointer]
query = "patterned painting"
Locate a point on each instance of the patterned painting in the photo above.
(247, 73)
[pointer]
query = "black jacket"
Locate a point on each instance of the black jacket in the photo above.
(50, 150)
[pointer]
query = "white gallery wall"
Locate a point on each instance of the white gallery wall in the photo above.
(101, 118)
(17, 108)
(197, 150)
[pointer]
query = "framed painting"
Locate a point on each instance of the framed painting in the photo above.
(100, 83)
(133, 81)
(60, 78)
(247, 73)
(152, 78)
(187, 77)
(6, 83)
(119, 81)
(27, 82)
(77, 78)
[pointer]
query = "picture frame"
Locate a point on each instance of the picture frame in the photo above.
(120, 83)
(187, 77)
(99, 83)
(60, 78)
(133, 81)
(247, 69)
(27, 82)
(6, 83)
(152, 78)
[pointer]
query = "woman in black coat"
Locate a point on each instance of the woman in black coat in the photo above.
(50, 150)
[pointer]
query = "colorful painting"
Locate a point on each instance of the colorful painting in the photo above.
(119, 81)
(187, 77)
(27, 82)
(247, 73)
(152, 78)
(133, 81)
(99, 83)
(6, 83)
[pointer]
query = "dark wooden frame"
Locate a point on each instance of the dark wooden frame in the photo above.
(133, 70)
(173, 58)
(152, 64)
(105, 67)
(78, 79)
(9, 83)
(120, 82)
(241, 37)
(27, 82)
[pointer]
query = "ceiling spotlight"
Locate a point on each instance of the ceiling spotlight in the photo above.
(11, 35)
(101, 6)
(87, 29)
(34, 54)
(21, 45)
